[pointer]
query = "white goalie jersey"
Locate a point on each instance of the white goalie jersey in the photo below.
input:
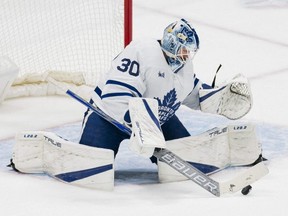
(141, 70)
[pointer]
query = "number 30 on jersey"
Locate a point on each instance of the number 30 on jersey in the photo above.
(132, 67)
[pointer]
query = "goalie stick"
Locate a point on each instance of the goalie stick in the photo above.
(164, 155)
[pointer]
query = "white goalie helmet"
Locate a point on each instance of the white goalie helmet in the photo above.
(180, 41)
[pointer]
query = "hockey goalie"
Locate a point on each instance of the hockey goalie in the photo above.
(145, 86)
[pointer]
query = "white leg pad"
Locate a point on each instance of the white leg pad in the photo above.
(214, 150)
(73, 163)
(28, 152)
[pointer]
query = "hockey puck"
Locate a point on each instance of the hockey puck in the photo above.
(246, 190)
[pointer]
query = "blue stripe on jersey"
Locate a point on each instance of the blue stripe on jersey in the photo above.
(117, 95)
(153, 117)
(98, 91)
(132, 88)
(81, 174)
(210, 94)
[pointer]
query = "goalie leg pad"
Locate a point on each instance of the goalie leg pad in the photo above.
(244, 146)
(28, 152)
(213, 150)
(45, 152)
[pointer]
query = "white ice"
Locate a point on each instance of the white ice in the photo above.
(244, 38)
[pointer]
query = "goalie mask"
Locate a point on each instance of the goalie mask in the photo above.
(180, 43)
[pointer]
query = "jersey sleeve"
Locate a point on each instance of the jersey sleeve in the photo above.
(124, 81)
(193, 100)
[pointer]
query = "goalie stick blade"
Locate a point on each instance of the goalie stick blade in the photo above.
(244, 179)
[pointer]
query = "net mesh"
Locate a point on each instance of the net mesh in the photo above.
(73, 36)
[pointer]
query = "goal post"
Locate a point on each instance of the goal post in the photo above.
(71, 40)
(128, 8)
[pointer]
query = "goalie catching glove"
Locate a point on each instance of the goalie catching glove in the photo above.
(233, 100)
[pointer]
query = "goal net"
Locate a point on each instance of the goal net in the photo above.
(73, 41)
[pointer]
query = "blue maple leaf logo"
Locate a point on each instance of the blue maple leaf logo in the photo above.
(168, 106)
